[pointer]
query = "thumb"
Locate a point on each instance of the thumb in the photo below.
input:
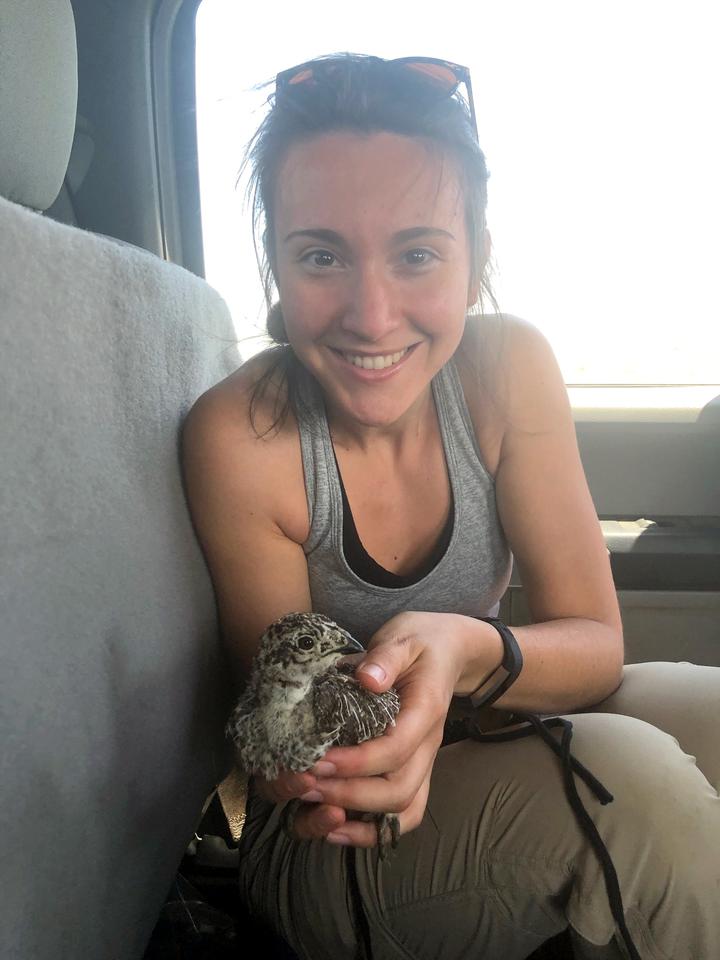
(389, 654)
(373, 674)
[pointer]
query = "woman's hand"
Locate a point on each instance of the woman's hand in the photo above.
(313, 820)
(424, 656)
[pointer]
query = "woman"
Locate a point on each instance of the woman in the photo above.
(380, 466)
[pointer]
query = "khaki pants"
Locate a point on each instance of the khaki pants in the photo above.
(499, 864)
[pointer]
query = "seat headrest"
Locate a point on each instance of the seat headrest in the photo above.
(38, 98)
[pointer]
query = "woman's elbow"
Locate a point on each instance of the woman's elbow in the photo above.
(615, 657)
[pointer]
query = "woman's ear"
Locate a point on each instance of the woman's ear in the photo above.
(475, 279)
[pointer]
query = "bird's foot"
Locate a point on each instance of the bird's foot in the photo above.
(287, 817)
(388, 833)
(387, 826)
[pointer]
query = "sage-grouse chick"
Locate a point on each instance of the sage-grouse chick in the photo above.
(299, 702)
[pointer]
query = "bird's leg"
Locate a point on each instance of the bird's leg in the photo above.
(387, 826)
(287, 817)
(388, 833)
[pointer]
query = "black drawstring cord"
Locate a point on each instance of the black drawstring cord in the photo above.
(541, 728)
(571, 765)
(360, 920)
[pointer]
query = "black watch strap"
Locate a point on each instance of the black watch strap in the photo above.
(500, 680)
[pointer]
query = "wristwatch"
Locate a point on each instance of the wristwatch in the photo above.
(502, 678)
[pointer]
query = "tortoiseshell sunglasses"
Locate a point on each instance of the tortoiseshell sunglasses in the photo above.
(446, 76)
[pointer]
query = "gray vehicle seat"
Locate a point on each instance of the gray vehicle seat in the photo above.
(111, 697)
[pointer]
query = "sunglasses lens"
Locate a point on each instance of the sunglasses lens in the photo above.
(302, 76)
(438, 73)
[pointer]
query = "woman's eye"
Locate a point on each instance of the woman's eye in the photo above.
(320, 258)
(419, 257)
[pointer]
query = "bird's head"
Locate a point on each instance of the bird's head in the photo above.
(299, 646)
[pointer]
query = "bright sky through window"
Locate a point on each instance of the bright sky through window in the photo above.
(599, 123)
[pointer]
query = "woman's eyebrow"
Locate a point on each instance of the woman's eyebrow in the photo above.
(324, 236)
(402, 236)
(418, 233)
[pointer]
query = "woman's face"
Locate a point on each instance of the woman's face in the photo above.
(373, 268)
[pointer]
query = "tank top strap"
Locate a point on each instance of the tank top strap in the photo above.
(456, 425)
(321, 487)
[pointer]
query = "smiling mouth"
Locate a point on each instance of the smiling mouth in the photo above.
(380, 362)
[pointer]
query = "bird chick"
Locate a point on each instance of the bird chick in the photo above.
(299, 702)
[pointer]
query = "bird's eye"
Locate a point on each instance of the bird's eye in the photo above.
(305, 642)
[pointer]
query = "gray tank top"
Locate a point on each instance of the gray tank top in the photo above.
(471, 576)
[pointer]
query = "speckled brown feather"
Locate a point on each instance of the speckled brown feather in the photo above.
(341, 703)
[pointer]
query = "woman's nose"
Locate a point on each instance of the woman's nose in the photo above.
(371, 312)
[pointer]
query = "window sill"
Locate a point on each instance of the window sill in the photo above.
(698, 404)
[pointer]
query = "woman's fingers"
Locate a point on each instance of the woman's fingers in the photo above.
(354, 833)
(329, 820)
(364, 833)
(318, 821)
(389, 793)
(418, 723)
(286, 786)
(314, 821)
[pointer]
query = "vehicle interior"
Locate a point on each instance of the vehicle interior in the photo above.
(113, 685)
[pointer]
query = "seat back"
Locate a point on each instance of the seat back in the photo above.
(111, 691)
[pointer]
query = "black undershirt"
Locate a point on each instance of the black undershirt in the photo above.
(369, 570)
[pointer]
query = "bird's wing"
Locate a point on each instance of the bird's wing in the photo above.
(354, 714)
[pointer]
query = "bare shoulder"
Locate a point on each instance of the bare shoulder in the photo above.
(543, 499)
(508, 367)
(231, 437)
(229, 401)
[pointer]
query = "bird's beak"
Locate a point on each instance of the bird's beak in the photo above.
(352, 646)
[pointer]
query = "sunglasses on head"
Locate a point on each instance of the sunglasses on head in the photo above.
(444, 75)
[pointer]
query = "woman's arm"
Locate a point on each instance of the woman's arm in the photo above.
(248, 515)
(247, 500)
(573, 652)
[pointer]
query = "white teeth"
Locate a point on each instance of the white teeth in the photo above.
(374, 363)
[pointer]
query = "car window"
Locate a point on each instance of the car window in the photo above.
(597, 123)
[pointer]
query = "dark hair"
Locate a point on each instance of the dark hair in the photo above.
(367, 95)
